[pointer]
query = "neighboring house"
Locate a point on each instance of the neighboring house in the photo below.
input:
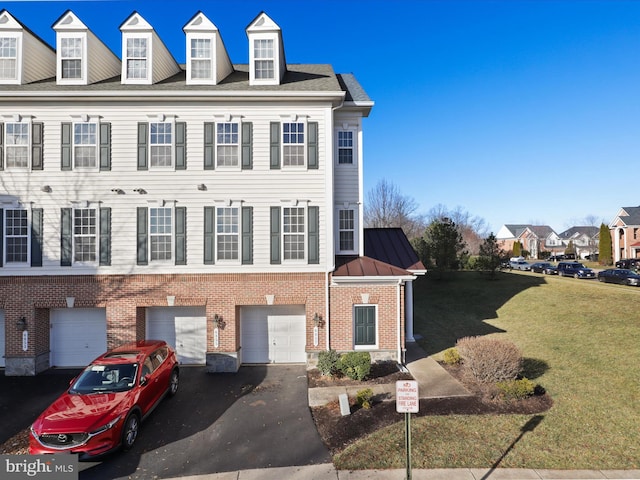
(534, 238)
(218, 206)
(585, 239)
(625, 233)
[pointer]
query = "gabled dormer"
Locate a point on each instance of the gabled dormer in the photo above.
(207, 58)
(24, 57)
(145, 58)
(81, 57)
(267, 64)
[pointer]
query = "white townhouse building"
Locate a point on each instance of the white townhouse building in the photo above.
(218, 206)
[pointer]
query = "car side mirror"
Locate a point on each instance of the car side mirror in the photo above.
(144, 380)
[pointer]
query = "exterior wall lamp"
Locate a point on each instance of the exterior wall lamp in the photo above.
(21, 324)
(317, 320)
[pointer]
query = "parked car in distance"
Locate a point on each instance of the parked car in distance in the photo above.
(575, 269)
(556, 258)
(628, 263)
(104, 405)
(519, 263)
(544, 267)
(623, 276)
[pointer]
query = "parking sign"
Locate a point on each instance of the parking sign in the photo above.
(407, 400)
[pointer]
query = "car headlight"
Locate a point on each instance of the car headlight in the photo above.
(106, 426)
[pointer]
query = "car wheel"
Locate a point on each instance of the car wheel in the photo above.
(601, 279)
(575, 275)
(130, 431)
(174, 381)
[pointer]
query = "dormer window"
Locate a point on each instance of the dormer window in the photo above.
(201, 59)
(8, 58)
(137, 60)
(264, 59)
(71, 58)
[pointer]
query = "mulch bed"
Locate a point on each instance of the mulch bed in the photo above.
(338, 431)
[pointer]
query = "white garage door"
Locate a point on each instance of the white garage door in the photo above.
(184, 328)
(2, 349)
(78, 335)
(273, 334)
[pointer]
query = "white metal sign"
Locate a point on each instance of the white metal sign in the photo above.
(407, 400)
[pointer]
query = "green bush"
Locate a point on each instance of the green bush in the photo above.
(490, 359)
(516, 389)
(355, 365)
(328, 361)
(451, 356)
(363, 397)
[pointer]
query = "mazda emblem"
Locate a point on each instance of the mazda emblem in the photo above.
(62, 438)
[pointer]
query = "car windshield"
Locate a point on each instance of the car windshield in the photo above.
(106, 378)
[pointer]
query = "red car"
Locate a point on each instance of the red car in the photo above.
(104, 405)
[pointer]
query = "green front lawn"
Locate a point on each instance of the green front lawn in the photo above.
(580, 340)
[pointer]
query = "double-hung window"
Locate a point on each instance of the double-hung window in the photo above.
(227, 233)
(160, 143)
(227, 144)
(293, 233)
(346, 230)
(201, 59)
(293, 146)
(160, 233)
(345, 147)
(16, 233)
(85, 145)
(85, 235)
(71, 58)
(17, 145)
(264, 60)
(8, 58)
(137, 58)
(365, 328)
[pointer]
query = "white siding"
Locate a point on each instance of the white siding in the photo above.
(103, 63)
(164, 65)
(38, 60)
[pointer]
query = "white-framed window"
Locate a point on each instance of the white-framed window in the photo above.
(8, 58)
(293, 233)
(160, 233)
(346, 230)
(227, 144)
(264, 59)
(227, 233)
(345, 147)
(160, 144)
(365, 327)
(201, 59)
(71, 58)
(17, 144)
(293, 144)
(137, 58)
(16, 236)
(85, 145)
(85, 235)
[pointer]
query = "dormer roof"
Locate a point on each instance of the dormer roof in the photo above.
(266, 51)
(208, 63)
(151, 61)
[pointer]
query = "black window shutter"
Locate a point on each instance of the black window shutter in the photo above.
(247, 235)
(1, 146)
(209, 145)
(275, 145)
(105, 236)
(142, 236)
(66, 237)
(181, 146)
(36, 237)
(314, 235)
(247, 146)
(181, 235)
(36, 145)
(275, 235)
(143, 146)
(312, 145)
(209, 235)
(105, 146)
(1, 237)
(65, 145)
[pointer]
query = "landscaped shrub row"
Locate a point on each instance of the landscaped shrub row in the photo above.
(355, 365)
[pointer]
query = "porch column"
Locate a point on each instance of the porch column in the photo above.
(408, 311)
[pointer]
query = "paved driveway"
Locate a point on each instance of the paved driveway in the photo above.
(256, 418)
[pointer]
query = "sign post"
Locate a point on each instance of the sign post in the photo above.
(407, 402)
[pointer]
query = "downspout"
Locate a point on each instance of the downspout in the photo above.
(326, 312)
(399, 325)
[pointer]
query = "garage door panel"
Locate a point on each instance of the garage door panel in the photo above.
(275, 334)
(78, 336)
(184, 328)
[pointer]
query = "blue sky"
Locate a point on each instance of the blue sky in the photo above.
(515, 111)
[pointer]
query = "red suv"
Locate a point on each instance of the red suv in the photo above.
(105, 404)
